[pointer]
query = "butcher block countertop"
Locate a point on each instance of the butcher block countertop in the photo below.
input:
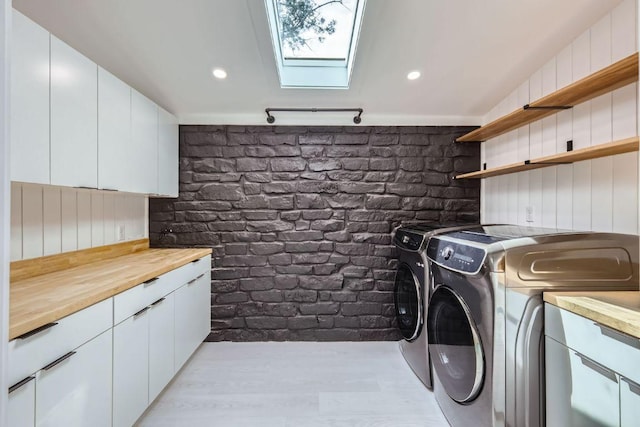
(619, 310)
(45, 298)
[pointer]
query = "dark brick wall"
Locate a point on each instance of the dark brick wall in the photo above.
(300, 221)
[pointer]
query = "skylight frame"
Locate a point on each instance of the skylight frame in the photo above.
(310, 73)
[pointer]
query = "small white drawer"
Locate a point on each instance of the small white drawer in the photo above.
(197, 267)
(615, 350)
(131, 301)
(30, 354)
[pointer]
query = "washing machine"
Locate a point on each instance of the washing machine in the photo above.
(411, 293)
(485, 314)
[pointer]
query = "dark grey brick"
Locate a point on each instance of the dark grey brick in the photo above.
(236, 248)
(262, 271)
(302, 225)
(319, 165)
(266, 248)
(305, 258)
(263, 322)
(288, 165)
(251, 188)
(214, 165)
(317, 214)
(382, 164)
(325, 269)
(406, 189)
(300, 236)
(280, 202)
(257, 284)
(280, 259)
(286, 282)
(355, 164)
(354, 271)
(382, 202)
(302, 322)
(312, 152)
(351, 139)
(321, 282)
(300, 295)
(338, 236)
(275, 139)
(220, 192)
(267, 296)
(320, 308)
(258, 177)
(385, 140)
(251, 165)
(361, 188)
(327, 225)
(360, 308)
(269, 226)
(317, 187)
(232, 298)
(310, 201)
(380, 176)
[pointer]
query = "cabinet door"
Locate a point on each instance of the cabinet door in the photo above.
(130, 369)
(193, 303)
(74, 117)
(143, 169)
(114, 131)
(29, 101)
(167, 154)
(76, 391)
(629, 403)
(161, 336)
(579, 391)
(22, 404)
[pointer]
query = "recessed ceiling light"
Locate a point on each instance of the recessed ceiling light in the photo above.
(413, 75)
(219, 73)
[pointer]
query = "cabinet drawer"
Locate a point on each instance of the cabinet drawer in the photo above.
(197, 267)
(129, 302)
(30, 354)
(615, 350)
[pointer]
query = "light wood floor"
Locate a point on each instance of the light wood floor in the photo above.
(296, 384)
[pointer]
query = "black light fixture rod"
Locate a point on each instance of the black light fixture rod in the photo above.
(357, 119)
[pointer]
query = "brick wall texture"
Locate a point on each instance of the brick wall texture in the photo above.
(300, 220)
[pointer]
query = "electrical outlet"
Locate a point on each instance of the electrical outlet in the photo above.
(121, 232)
(529, 214)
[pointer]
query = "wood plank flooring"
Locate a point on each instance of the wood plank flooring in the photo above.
(296, 384)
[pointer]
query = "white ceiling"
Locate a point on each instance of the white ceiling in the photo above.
(472, 53)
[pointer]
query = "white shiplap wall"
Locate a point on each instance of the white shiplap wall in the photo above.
(598, 195)
(47, 220)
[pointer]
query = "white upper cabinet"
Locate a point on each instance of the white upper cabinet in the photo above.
(114, 130)
(29, 101)
(142, 170)
(74, 117)
(167, 154)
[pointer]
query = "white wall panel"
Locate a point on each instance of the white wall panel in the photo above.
(52, 203)
(16, 221)
(32, 221)
(46, 220)
(84, 219)
(623, 30)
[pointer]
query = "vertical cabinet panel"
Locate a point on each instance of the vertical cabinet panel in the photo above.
(114, 130)
(22, 405)
(161, 333)
(167, 154)
(29, 101)
(130, 369)
(579, 393)
(77, 391)
(74, 117)
(142, 168)
(629, 403)
(192, 317)
(32, 221)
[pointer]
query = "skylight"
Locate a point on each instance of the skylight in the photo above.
(315, 41)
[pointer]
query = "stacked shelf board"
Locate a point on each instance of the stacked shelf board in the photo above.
(610, 78)
(594, 152)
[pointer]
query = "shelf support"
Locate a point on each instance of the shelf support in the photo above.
(546, 107)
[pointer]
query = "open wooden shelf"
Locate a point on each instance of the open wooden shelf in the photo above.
(608, 79)
(609, 149)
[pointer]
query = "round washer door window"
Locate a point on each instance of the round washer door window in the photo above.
(455, 346)
(408, 302)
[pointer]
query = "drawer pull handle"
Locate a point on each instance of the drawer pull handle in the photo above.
(200, 276)
(138, 313)
(58, 361)
(158, 302)
(150, 281)
(595, 366)
(191, 282)
(633, 387)
(195, 261)
(36, 331)
(619, 336)
(21, 383)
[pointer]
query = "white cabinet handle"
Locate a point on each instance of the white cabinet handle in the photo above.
(21, 383)
(595, 366)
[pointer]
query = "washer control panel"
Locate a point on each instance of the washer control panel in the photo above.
(455, 256)
(405, 239)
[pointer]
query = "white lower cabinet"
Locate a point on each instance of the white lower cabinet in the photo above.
(130, 369)
(161, 333)
(22, 403)
(75, 390)
(192, 316)
(587, 365)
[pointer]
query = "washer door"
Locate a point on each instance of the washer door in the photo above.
(454, 345)
(408, 301)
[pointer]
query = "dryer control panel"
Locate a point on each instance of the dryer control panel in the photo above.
(405, 239)
(456, 256)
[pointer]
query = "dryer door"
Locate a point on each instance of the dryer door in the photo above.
(454, 345)
(408, 299)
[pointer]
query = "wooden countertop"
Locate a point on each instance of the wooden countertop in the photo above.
(619, 310)
(43, 299)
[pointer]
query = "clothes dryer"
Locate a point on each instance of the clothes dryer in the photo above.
(411, 293)
(485, 315)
